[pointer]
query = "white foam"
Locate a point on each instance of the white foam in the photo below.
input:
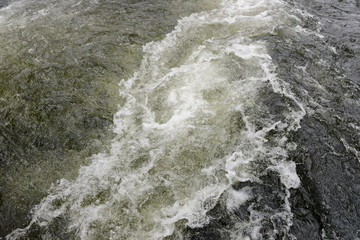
(177, 147)
(287, 171)
(234, 199)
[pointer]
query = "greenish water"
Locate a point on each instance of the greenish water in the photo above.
(188, 118)
(60, 65)
(172, 119)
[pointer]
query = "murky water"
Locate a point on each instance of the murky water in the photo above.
(173, 120)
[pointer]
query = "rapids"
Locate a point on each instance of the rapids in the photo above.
(154, 120)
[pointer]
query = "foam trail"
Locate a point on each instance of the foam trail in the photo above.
(190, 125)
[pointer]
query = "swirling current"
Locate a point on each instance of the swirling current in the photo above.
(204, 119)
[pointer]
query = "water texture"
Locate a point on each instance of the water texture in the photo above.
(61, 63)
(233, 119)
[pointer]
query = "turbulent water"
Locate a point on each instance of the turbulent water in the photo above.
(232, 119)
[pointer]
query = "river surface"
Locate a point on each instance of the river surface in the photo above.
(204, 119)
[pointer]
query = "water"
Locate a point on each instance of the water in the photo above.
(212, 102)
(59, 90)
(326, 204)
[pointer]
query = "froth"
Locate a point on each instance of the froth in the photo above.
(188, 129)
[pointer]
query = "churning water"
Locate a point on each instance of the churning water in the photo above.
(201, 116)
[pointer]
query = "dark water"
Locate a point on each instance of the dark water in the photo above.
(51, 128)
(328, 154)
(326, 205)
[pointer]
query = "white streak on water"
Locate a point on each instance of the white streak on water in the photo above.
(178, 147)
